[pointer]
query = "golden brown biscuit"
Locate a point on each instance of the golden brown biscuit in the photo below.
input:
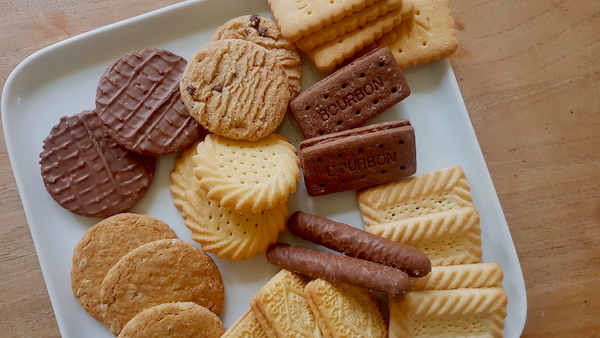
(245, 326)
(182, 176)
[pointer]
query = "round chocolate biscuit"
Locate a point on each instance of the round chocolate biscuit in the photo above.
(138, 101)
(89, 173)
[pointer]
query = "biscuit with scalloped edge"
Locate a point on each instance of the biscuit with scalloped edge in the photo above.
(181, 177)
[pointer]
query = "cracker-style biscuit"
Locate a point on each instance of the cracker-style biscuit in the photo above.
(169, 270)
(300, 18)
(446, 237)
(342, 310)
(229, 233)
(102, 246)
(428, 35)
(178, 319)
(246, 175)
(265, 32)
(469, 312)
(480, 275)
(281, 307)
(181, 177)
(245, 326)
(236, 88)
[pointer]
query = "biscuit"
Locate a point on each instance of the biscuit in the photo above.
(281, 308)
(431, 192)
(480, 275)
(245, 326)
(236, 88)
(300, 18)
(181, 177)
(246, 175)
(138, 101)
(90, 174)
(102, 246)
(265, 32)
(228, 233)
(179, 319)
(428, 35)
(446, 237)
(163, 271)
(342, 310)
(470, 312)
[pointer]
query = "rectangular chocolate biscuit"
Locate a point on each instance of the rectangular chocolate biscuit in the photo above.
(359, 157)
(351, 96)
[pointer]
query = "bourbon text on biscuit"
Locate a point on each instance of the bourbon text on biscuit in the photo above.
(350, 99)
(361, 164)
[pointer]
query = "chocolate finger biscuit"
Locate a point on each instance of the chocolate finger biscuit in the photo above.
(351, 96)
(358, 158)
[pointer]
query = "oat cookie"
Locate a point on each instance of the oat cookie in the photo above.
(265, 32)
(182, 176)
(169, 270)
(102, 246)
(236, 88)
(246, 175)
(178, 319)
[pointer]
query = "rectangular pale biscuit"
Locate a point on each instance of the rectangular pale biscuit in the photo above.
(333, 53)
(431, 192)
(281, 308)
(428, 35)
(471, 312)
(446, 237)
(245, 326)
(479, 275)
(347, 24)
(298, 18)
(343, 310)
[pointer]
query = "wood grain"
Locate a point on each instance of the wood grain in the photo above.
(529, 72)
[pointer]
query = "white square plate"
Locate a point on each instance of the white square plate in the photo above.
(61, 80)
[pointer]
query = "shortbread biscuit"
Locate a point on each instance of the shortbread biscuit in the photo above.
(182, 176)
(480, 275)
(178, 319)
(102, 246)
(281, 308)
(342, 310)
(169, 270)
(470, 312)
(245, 326)
(428, 35)
(229, 233)
(446, 237)
(333, 53)
(265, 32)
(245, 175)
(431, 192)
(298, 18)
(236, 88)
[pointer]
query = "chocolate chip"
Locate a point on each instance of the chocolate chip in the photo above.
(191, 89)
(262, 31)
(218, 88)
(254, 21)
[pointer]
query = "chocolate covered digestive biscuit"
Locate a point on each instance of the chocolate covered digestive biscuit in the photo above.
(350, 96)
(358, 158)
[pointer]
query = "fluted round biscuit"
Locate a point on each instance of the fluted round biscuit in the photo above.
(236, 88)
(178, 319)
(265, 32)
(181, 177)
(247, 175)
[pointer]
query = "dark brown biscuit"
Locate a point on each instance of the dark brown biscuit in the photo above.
(358, 158)
(89, 173)
(138, 100)
(350, 96)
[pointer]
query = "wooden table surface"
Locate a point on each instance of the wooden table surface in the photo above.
(529, 72)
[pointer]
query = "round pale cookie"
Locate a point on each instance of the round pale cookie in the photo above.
(178, 319)
(163, 271)
(181, 177)
(247, 176)
(266, 33)
(236, 88)
(229, 233)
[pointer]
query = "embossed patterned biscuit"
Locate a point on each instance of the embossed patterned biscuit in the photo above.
(182, 176)
(342, 310)
(281, 308)
(236, 88)
(245, 326)
(298, 18)
(479, 275)
(246, 175)
(350, 23)
(265, 32)
(435, 191)
(331, 54)
(163, 271)
(428, 35)
(229, 233)
(177, 319)
(102, 246)
(469, 312)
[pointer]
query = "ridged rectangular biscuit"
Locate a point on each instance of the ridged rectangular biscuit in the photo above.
(479, 275)
(245, 326)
